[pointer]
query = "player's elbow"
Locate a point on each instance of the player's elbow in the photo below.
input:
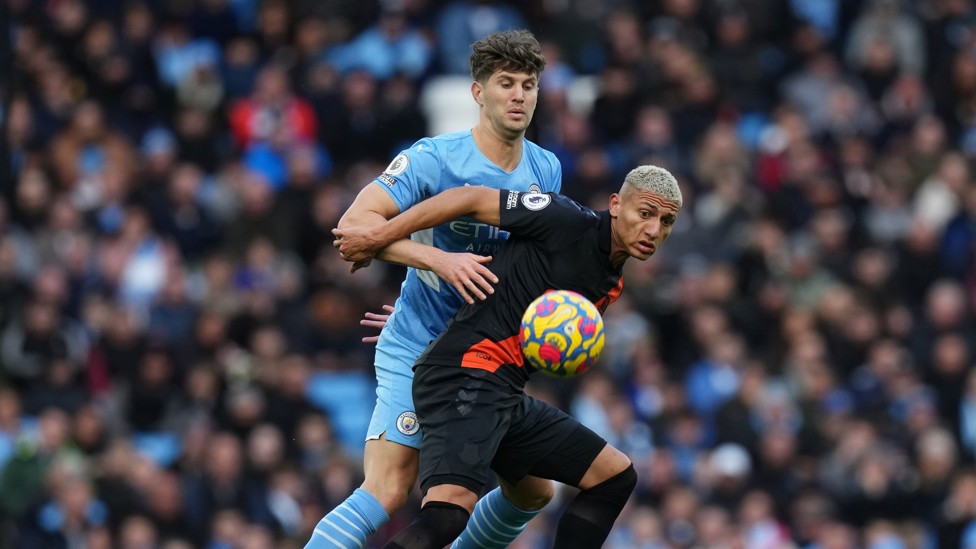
(346, 222)
(359, 218)
(371, 208)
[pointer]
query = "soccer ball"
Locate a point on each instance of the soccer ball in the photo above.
(562, 333)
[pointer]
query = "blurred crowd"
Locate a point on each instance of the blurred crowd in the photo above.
(180, 354)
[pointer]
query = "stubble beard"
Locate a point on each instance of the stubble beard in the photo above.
(506, 131)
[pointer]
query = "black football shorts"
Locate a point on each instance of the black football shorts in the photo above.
(474, 423)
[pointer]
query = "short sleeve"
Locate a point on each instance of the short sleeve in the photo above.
(412, 174)
(550, 218)
(556, 181)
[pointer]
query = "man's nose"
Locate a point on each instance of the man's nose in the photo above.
(653, 227)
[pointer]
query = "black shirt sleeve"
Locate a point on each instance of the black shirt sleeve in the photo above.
(552, 219)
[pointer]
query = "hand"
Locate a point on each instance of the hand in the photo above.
(375, 320)
(360, 265)
(357, 244)
(467, 273)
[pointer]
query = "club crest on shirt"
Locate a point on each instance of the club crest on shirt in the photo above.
(535, 188)
(535, 201)
(407, 423)
(398, 165)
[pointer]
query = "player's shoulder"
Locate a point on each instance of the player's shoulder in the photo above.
(574, 213)
(536, 151)
(572, 205)
(430, 150)
(426, 154)
(558, 204)
(452, 140)
(437, 144)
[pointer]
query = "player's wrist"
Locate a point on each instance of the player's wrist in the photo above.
(380, 236)
(432, 260)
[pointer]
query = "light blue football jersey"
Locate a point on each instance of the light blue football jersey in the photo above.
(433, 165)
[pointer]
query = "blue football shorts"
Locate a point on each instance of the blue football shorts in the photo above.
(394, 413)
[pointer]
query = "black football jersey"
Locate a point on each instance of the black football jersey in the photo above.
(555, 244)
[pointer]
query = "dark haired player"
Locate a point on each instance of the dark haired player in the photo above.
(468, 384)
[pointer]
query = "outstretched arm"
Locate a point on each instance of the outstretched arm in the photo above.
(362, 244)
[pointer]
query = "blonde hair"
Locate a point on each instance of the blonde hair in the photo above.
(655, 180)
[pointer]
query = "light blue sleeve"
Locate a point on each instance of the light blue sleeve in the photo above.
(549, 170)
(557, 175)
(413, 175)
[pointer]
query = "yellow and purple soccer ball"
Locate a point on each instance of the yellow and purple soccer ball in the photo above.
(562, 333)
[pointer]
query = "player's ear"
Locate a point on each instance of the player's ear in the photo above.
(476, 91)
(614, 205)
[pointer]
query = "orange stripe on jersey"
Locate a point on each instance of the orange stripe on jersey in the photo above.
(611, 296)
(491, 355)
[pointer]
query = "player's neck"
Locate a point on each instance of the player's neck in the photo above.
(504, 153)
(618, 251)
(618, 255)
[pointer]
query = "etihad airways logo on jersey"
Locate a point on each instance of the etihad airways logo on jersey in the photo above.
(486, 239)
(473, 229)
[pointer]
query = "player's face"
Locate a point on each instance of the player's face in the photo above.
(642, 220)
(508, 101)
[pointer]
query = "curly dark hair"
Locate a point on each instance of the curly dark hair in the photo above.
(512, 51)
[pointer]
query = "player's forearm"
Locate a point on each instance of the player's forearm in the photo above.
(480, 203)
(409, 253)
